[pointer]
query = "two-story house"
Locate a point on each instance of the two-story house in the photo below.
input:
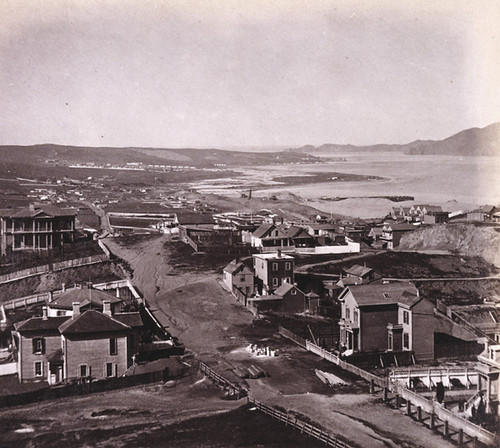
(386, 317)
(89, 344)
(269, 238)
(37, 227)
(392, 234)
(238, 275)
(272, 270)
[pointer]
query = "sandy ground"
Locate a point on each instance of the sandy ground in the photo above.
(208, 321)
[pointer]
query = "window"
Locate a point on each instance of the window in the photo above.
(294, 292)
(347, 313)
(288, 266)
(287, 280)
(406, 317)
(84, 370)
(109, 369)
(38, 368)
(389, 342)
(242, 279)
(275, 266)
(406, 340)
(275, 281)
(113, 346)
(356, 316)
(38, 346)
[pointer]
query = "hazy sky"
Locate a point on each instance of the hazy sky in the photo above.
(221, 73)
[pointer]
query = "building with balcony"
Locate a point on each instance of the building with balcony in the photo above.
(37, 227)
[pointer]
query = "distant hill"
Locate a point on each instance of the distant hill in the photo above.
(471, 142)
(200, 158)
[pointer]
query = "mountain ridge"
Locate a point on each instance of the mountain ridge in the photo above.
(469, 142)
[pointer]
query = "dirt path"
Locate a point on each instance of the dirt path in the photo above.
(193, 307)
(208, 320)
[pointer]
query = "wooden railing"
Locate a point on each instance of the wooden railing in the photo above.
(304, 427)
(434, 409)
(234, 389)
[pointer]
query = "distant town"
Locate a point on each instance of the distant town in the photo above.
(107, 285)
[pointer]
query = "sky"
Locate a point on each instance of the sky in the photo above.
(189, 73)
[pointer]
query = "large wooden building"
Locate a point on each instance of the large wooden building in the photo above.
(37, 227)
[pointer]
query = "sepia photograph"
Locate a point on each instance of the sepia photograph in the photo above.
(233, 223)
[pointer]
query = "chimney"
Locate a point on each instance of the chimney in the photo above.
(51, 296)
(106, 308)
(63, 287)
(279, 253)
(44, 313)
(32, 207)
(76, 309)
(117, 293)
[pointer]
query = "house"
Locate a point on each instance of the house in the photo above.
(89, 344)
(88, 298)
(435, 217)
(362, 274)
(270, 238)
(300, 237)
(36, 227)
(287, 298)
(419, 211)
(38, 343)
(238, 275)
(488, 370)
(272, 270)
(392, 234)
(94, 345)
(386, 317)
(320, 229)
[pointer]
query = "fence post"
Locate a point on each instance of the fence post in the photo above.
(446, 428)
(408, 408)
(460, 437)
(432, 421)
(419, 413)
(397, 402)
(385, 395)
(372, 386)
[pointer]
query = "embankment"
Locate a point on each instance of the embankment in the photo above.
(469, 239)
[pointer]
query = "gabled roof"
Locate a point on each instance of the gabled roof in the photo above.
(38, 324)
(265, 229)
(401, 293)
(92, 321)
(297, 232)
(358, 271)
(85, 296)
(284, 289)
(235, 266)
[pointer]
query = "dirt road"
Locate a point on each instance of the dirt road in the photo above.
(209, 322)
(193, 307)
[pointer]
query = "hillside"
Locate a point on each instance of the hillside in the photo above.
(50, 155)
(466, 239)
(470, 142)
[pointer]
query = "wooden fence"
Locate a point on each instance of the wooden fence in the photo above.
(45, 297)
(304, 427)
(83, 387)
(234, 389)
(51, 267)
(434, 409)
